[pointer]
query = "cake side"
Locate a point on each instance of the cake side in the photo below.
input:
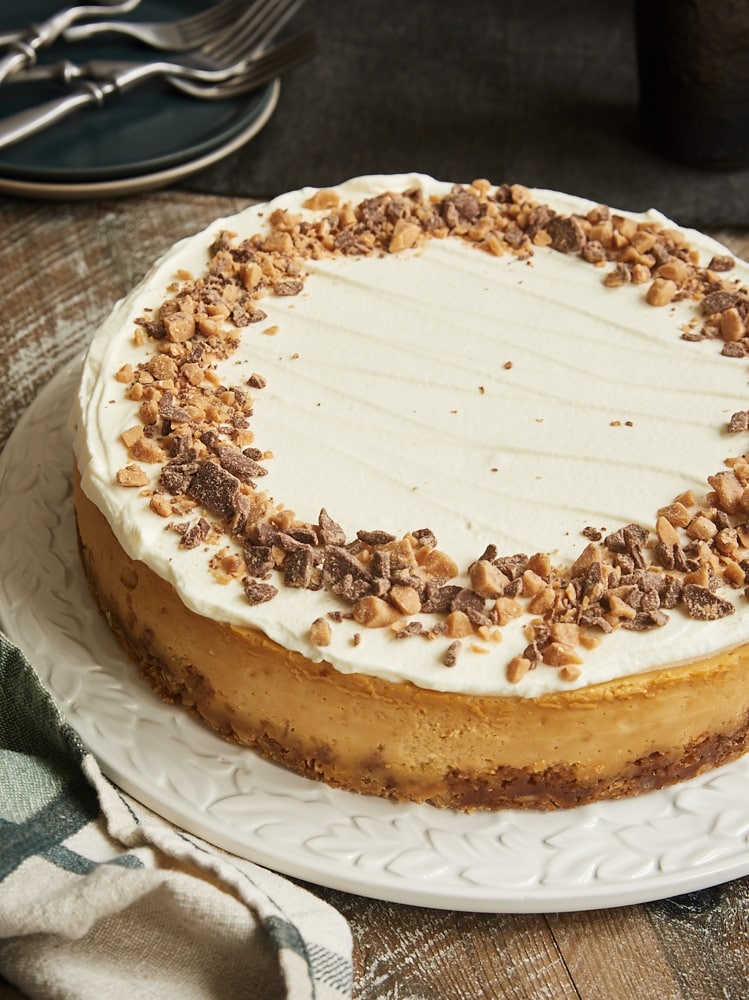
(369, 735)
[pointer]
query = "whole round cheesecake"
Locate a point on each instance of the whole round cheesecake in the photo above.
(433, 491)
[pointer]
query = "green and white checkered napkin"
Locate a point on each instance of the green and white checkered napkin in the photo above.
(99, 897)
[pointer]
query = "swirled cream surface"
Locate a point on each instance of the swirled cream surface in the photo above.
(489, 399)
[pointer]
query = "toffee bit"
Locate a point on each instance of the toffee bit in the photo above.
(214, 488)
(736, 349)
(171, 411)
(331, 533)
(287, 541)
(452, 653)
(297, 568)
(375, 537)
(718, 302)
(339, 563)
(440, 565)
(517, 668)
(405, 598)
(160, 505)
(304, 533)
(471, 604)
(490, 553)
(487, 580)
(243, 316)
(425, 536)
(644, 621)
(175, 476)
(132, 476)
(258, 559)
(351, 589)
(291, 286)
(512, 566)
(195, 534)
(567, 234)
(703, 605)
(258, 593)
(460, 206)
(438, 598)
(410, 629)
(319, 632)
(381, 565)
(739, 422)
(240, 465)
(373, 612)
(721, 263)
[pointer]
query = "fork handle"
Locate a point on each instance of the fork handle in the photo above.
(24, 55)
(9, 37)
(27, 123)
(82, 32)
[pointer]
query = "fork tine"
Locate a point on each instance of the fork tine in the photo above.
(271, 63)
(175, 36)
(197, 28)
(274, 19)
(280, 59)
(257, 24)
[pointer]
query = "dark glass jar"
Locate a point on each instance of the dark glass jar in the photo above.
(693, 62)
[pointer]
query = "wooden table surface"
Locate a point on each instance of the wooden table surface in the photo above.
(62, 266)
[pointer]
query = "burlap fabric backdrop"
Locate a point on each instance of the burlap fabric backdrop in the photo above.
(541, 92)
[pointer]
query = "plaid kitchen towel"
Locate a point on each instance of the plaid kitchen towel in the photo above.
(99, 897)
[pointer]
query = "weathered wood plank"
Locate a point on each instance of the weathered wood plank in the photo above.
(411, 952)
(705, 936)
(615, 955)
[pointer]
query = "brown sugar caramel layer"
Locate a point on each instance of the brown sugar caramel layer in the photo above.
(562, 749)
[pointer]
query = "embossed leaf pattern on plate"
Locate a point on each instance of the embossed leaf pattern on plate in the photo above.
(677, 840)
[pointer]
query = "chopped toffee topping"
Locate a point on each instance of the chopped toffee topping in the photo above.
(452, 653)
(199, 432)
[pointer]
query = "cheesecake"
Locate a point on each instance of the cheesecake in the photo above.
(432, 491)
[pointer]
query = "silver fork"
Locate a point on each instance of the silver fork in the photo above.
(222, 58)
(266, 66)
(169, 36)
(262, 66)
(25, 42)
(267, 17)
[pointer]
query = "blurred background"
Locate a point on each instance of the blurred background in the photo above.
(541, 92)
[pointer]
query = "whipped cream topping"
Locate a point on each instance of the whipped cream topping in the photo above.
(491, 399)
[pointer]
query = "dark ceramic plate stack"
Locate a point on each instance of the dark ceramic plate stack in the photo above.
(136, 141)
